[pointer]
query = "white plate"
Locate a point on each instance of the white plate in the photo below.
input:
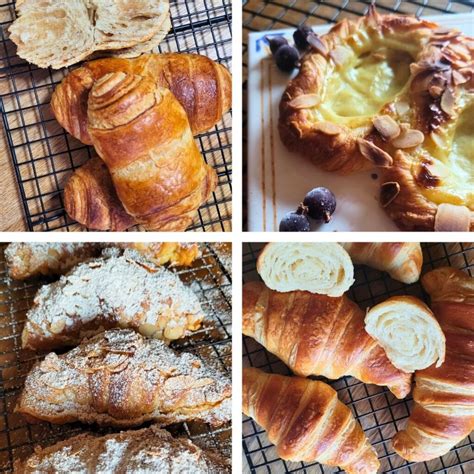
(278, 179)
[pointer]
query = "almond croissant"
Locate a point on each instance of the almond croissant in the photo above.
(318, 335)
(307, 422)
(119, 378)
(149, 450)
(119, 291)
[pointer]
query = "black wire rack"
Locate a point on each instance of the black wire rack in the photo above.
(261, 15)
(380, 414)
(44, 155)
(211, 280)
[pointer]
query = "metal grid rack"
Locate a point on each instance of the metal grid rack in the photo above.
(210, 278)
(376, 409)
(261, 15)
(44, 155)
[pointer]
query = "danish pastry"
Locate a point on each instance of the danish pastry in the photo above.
(323, 268)
(408, 331)
(393, 92)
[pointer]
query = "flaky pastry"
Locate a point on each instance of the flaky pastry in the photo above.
(397, 93)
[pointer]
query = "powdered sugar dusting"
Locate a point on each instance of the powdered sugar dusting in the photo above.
(120, 378)
(115, 291)
(150, 450)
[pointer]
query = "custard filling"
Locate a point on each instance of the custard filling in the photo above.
(453, 161)
(374, 72)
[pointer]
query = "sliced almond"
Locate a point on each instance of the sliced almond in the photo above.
(339, 55)
(458, 78)
(305, 101)
(461, 51)
(388, 192)
(435, 91)
(450, 218)
(328, 128)
(448, 101)
(408, 139)
(374, 154)
(317, 44)
(386, 126)
(402, 108)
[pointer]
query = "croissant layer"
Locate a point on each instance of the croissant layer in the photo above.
(318, 335)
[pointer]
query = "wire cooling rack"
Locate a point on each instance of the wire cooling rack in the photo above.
(377, 410)
(44, 155)
(211, 280)
(261, 15)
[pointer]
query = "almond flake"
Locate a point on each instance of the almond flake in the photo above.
(305, 101)
(408, 139)
(388, 192)
(448, 102)
(374, 154)
(317, 44)
(435, 91)
(339, 55)
(386, 126)
(328, 128)
(450, 218)
(458, 78)
(402, 108)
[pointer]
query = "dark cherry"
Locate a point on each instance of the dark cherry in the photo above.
(276, 43)
(301, 37)
(321, 204)
(296, 221)
(287, 58)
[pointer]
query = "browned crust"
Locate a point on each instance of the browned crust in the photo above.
(340, 152)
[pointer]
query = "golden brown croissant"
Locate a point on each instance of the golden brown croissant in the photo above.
(147, 450)
(119, 291)
(402, 261)
(142, 134)
(202, 86)
(90, 198)
(119, 378)
(318, 335)
(306, 421)
(443, 412)
(25, 260)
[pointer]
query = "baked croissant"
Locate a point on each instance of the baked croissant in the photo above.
(119, 378)
(318, 335)
(26, 260)
(119, 291)
(402, 261)
(408, 332)
(147, 450)
(323, 268)
(443, 413)
(202, 86)
(142, 134)
(306, 421)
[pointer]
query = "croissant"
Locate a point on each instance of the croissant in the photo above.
(443, 413)
(146, 450)
(318, 335)
(306, 421)
(119, 378)
(110, 292)
(26, 260)
(402, 261)
(142, 134)
(202, 86)
(408, 331)
(323, 268)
